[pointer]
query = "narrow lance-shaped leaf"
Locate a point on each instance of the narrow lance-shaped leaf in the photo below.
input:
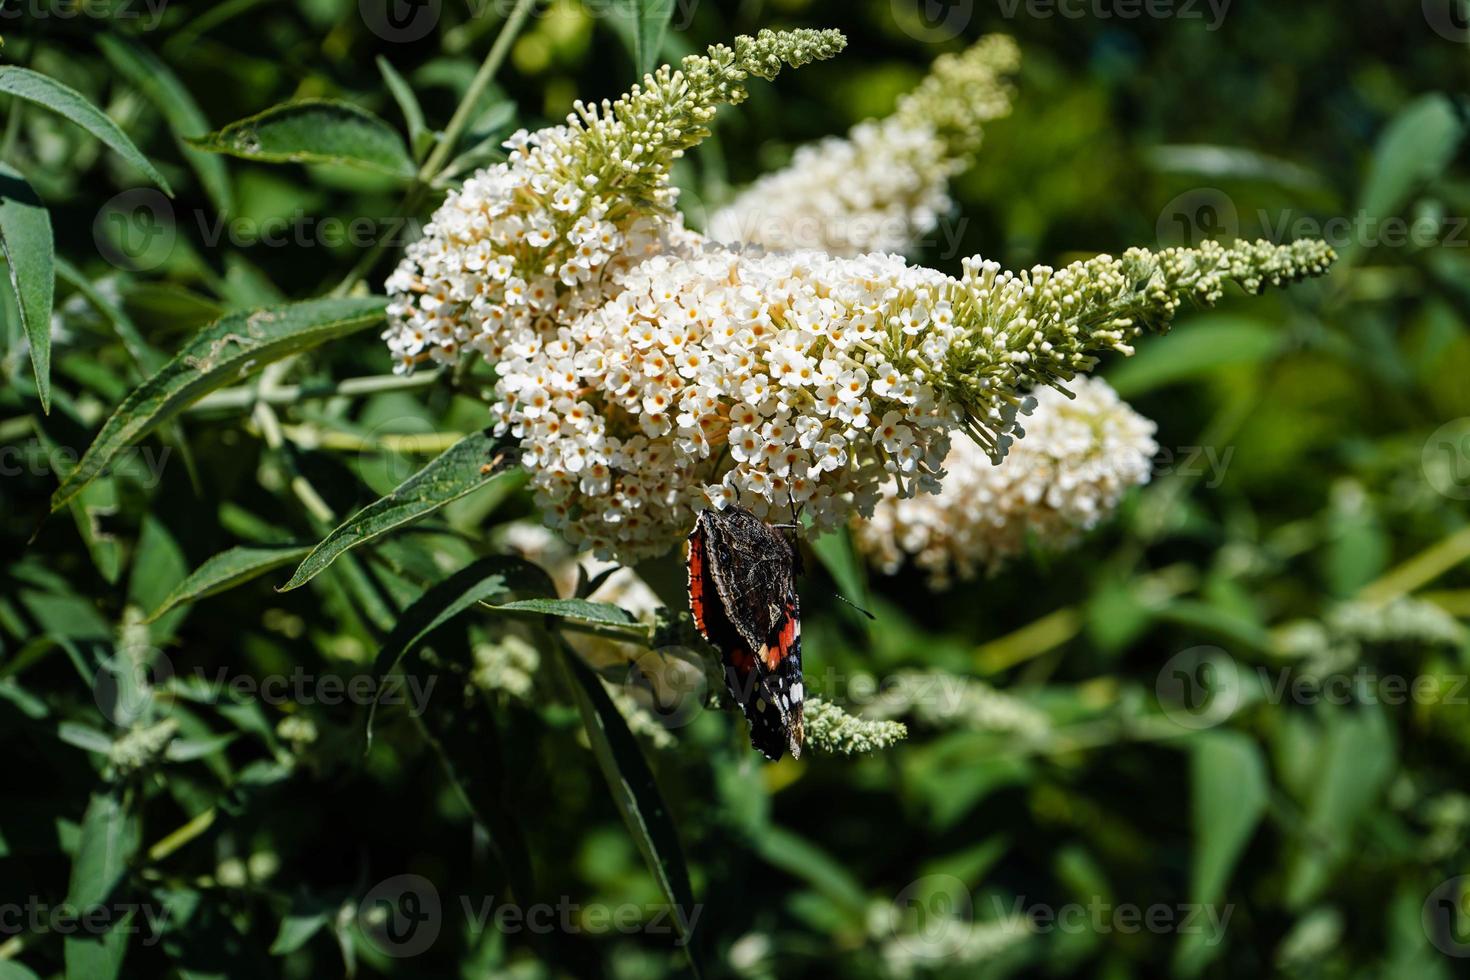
(574, 610)
(647, 21)
(408, 104)
(314, 131)
(108, 840)
(1229, 796)
(145, 354)
(636, 794)
(466, 466)
(30, 252)
(67, 101)
(218, 355)
(162, 87)
(497, 577)
(225, 571)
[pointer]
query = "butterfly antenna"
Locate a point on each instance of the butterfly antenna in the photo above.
(854, 605)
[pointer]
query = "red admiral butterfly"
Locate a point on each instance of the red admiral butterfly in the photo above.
(742, 592)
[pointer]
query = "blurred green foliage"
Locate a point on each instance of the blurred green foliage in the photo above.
(1121, 740)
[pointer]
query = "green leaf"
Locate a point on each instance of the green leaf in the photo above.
(144, 353)
(473, 462)
(220, 354)
(108, 840)
(11, 970)
(84, 737)
(1355, 760)
(574, 610)
(30, 252)
(488, 578)
(419, 137)
(636, 794)
(296, 930)
(1229, 794)
(805, 860)
(1211, 162)
(162, 87)
(226, 570)
(35, 87)
(314, 131)
(189, 749)
(645, 23)
(1199, 347)
(495, 577)
(1413, 149)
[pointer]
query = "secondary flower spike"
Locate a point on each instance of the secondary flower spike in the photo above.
(528, 245)
(718, 377)
(886, 184)
(1079, 457)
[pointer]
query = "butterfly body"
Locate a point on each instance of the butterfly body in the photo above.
(742, 592)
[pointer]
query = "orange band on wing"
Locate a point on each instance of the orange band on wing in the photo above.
(772, 656)
(697, 597)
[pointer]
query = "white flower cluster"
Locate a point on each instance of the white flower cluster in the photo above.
(512, 253)
(886, 185)
(808, 380)
(1078, 459)
(716, 379)
(532, 243)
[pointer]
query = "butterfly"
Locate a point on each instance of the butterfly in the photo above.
(742, 592)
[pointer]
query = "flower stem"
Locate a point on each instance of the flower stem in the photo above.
(481, 81)
(440, 154)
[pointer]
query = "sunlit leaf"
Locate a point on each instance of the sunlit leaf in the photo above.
(644, 24)
(419, 138)
(473, 462)
(30, 253)
(173, 99)
(319, 131)
(35, 87)
(574, 610)
(230, 349)
(226, 570)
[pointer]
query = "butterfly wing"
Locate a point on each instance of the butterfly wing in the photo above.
(743, 596)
